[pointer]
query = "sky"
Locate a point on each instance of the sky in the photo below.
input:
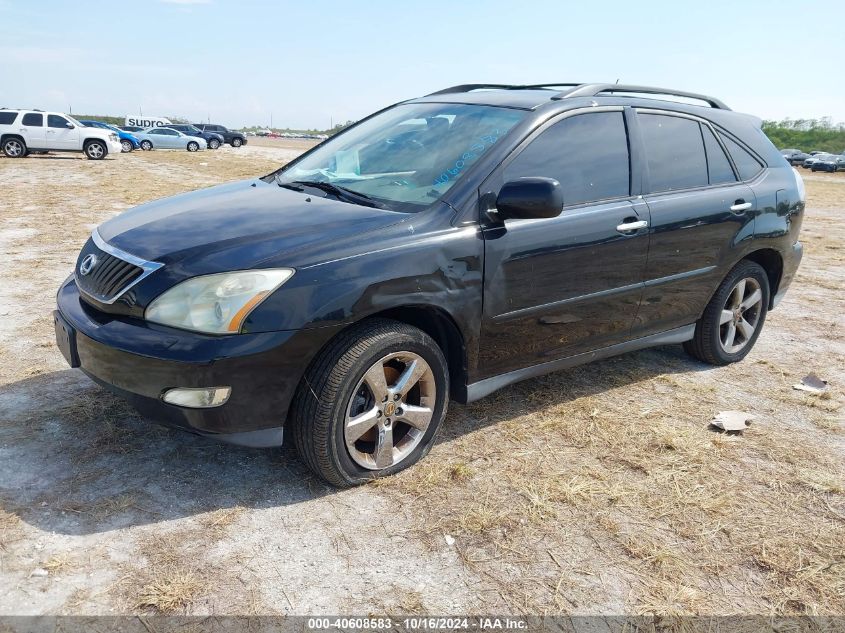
(311, 64)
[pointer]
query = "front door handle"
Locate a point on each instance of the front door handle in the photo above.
(740, 206)
(627, 227)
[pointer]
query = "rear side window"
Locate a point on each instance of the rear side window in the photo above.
(54, 120)
(675, 152)
(586, 153)
(718, 166)
(33, 119)
(7, 118)
(746, 164)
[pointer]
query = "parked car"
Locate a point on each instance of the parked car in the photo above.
(128, 141)
(444, 247)
(27, 131)
(808, 162)
(213, 139)
(828, 162)
(232, 137)
(794, 156)
(168, 138)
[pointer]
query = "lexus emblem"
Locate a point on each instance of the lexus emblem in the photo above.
(87, 264)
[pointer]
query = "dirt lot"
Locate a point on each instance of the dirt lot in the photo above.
(595, 490)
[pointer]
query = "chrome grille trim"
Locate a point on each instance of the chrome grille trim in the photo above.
(147, 267)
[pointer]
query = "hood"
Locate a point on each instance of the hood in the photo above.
(237, 225)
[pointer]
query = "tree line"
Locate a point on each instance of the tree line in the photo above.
(807, 134)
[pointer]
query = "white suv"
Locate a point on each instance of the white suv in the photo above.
(24, 131)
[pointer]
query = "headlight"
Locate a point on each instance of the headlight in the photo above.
(216, 304)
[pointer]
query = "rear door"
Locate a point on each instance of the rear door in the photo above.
(59, 135)
(32, 129)
(560, 286)
(701, 214)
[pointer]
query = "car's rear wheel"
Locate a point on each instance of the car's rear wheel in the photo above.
(95, 150)
(193, 146)
(146, 146)
(236, 142)
(734, 317)
(371, 403)
(213, 144)
(14, 148)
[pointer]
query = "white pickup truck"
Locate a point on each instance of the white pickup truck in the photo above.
(25, 131)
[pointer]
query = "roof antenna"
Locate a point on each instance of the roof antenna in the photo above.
(617, 82)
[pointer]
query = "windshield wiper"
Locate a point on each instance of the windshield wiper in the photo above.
(336, 190)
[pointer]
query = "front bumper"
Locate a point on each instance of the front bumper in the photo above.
(114, 146)
(140, 361)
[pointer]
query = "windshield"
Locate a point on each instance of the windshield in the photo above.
(408, 156)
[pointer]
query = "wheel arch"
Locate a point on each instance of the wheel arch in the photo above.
(92, 139)
(6, 137)
(772, 262)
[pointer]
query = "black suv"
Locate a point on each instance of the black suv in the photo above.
(441, 248)
(235, 139)
(212, 140)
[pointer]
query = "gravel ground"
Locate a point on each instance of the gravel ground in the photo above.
(595, 490)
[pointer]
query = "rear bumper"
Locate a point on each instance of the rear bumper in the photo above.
(790, 266)
(141, 361)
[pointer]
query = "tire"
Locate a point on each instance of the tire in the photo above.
(236, 142)
(336, 390)
(126, 146)
(15, 147)
(721, 343)
(213, 144)
(95, 150)
(193, 146)
(146, 145)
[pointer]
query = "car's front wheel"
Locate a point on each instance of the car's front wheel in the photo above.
(236, 142)
(146, 146)
(371, 403)
(95, 150)
(193, 146)
(126, 146)
(213, 144)
(733, 319)
(14, 148)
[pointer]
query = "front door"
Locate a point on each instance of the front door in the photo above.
(59, 135)
(561, 286)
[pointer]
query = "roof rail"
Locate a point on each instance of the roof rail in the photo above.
(593, 90)
(468, 87)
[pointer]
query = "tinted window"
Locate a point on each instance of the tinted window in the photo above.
(674, 151)
(7, 118)
(718, 166)
(158, 132)
(54, 120)
(587, 154)
(746, 164)
(33, 119)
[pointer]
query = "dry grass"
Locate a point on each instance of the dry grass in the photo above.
(171, 590)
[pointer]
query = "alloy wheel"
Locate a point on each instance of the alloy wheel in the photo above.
(95, 150)
(126, 146)
(13, 148)
(390, 410)
(740, 315)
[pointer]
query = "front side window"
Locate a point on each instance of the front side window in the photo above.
(54, 120)
(33, 119)
(746, 164)
(406, 157)
(674, 152)
(586, 153)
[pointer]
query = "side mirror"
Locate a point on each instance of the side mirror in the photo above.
(69, 125)
(530, 198)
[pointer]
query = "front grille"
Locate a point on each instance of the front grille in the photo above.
(107, 277)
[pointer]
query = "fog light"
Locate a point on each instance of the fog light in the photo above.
(202, 398)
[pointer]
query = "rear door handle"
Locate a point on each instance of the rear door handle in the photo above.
(740, 206)
(627, 227)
